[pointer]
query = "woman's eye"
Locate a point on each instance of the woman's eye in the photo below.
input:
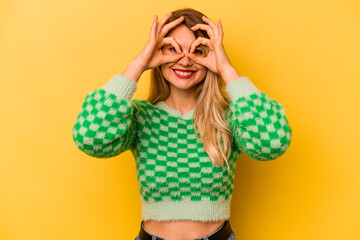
(172, 48)
(198, 51)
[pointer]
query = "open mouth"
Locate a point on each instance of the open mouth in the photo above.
(184, 74)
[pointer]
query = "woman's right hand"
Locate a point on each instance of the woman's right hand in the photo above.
(151, 55)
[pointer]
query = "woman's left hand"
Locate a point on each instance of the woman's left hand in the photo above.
(216, 60)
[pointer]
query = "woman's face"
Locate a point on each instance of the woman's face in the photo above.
(184, 37)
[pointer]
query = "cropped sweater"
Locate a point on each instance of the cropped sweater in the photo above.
(176, 177)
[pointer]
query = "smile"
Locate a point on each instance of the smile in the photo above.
(184, 75)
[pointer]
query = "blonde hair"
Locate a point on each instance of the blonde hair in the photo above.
(212, 102)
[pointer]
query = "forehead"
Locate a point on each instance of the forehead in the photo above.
(183, 35)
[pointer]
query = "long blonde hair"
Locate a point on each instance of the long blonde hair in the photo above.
(212, 102)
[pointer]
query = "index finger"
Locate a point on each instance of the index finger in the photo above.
(164, 19)
(173, 42)
(213, 25)
(170, 25)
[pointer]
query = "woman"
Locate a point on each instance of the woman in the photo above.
(200, 114)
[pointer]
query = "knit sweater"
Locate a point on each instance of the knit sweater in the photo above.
(176, 177)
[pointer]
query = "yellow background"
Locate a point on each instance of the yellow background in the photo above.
(303, 53)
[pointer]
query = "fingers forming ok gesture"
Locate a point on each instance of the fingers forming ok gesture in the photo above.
(151, 55)
(216, 60)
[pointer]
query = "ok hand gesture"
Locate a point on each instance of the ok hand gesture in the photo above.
(151, 55)
(216, 60)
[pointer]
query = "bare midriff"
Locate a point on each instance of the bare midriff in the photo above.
(181, 230)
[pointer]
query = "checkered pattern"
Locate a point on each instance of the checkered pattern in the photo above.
(171, 163)
(105, 126)
(260, 126)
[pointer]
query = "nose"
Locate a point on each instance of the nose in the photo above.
(186, 60)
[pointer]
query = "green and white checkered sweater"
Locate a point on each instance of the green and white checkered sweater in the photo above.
(176, 178)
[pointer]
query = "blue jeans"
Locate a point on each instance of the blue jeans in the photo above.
(232, 236)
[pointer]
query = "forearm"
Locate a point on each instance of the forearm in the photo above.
(229, 74)
(133, 71)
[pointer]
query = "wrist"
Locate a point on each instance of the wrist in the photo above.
(229, 74)
(140, 64)
(133, 71)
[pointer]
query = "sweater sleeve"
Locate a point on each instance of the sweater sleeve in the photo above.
(106, 123)
(259, 124)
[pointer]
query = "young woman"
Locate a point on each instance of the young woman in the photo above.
(187, 136)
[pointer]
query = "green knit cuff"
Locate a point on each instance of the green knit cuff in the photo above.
(121, 86)
(240, 87)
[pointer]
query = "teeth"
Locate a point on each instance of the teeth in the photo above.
(183, 73)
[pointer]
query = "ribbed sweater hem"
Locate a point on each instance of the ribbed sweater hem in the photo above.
(240, 87)
(204, 210)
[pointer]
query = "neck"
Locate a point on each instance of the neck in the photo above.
(182, 101)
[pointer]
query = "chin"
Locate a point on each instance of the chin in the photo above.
(183, 86)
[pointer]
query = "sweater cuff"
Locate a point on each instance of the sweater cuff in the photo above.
(121, 86)
(240, 87)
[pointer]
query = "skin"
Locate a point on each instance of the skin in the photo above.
(178, 50)
(182, 90)
(182, 99)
